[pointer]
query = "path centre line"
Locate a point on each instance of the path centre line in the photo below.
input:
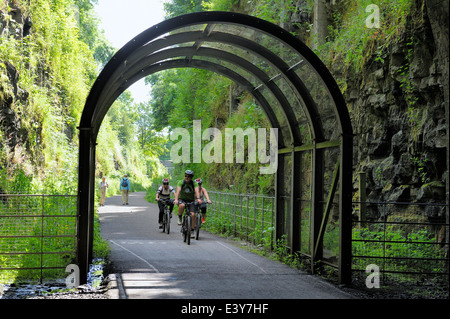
(241, 256)
(150, 265)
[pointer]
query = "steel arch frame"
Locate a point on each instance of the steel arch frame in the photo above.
(148, 53)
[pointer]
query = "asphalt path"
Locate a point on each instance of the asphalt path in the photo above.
(150, 264)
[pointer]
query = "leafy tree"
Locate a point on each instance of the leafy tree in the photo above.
(164, 91)
(150, 141)
(179, 7)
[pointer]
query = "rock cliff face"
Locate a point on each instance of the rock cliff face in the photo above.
(9, 121)
(16, 25)
(397, 104)
(398, 110)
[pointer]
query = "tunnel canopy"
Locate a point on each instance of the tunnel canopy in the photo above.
(289, 82)
(294, 88)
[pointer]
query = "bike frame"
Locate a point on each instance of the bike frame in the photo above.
(166, 216)
(187, 223)
(198, 223)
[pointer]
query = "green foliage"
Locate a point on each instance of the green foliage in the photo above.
(175, 8)
(183, 95)
(351, 43)
(20, 183)
(130, 144)
(56, 70)
(56, 249)
(248, 217)
(275, 11)
(282, 253)
(57, 64)
(401, 250)
(219, 5)
(421, 165)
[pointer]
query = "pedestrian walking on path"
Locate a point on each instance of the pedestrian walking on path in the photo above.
(125, 189)
(103, 186)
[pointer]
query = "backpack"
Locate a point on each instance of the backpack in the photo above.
(190, 183)
(125, 182)
(184, 186)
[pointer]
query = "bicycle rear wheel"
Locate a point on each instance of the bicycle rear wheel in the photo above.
(198, 224)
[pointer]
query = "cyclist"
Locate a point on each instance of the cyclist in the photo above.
(187, 192)
(163, 193)
(203, 194)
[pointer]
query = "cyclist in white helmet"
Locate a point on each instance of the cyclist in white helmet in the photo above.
(163, 194)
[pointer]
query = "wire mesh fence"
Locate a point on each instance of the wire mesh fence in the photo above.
(38, 236)
(406, 242)
(247, 216)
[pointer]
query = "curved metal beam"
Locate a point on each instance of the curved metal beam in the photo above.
(206, 52)
(183, 63)
(219, 17)
(116, 68)
(134, 62)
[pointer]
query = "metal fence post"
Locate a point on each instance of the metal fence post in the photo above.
(42, 237)
(345, 210)
(254, 220)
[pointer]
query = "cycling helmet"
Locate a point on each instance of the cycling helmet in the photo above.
(165, 181)
(189, 172)
(198, 180)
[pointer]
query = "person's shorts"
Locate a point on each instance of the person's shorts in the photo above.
(193, 207)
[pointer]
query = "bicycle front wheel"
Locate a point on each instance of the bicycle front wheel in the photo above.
(188, 229)
(167, 213)
(183, 228)
(164, 222)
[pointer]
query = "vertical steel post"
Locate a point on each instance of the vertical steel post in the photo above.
(295, 204)
(279, 200)
(316, 207)
(91, 201)
(83, 203)
(345, 210)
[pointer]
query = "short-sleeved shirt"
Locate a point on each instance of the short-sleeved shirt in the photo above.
(187, 192)
(165, 193)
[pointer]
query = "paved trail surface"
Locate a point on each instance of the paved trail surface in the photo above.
(151, 264)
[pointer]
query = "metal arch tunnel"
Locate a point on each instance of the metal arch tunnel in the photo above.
(293, 87)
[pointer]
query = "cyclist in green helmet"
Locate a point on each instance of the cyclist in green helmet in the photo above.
(187, 192)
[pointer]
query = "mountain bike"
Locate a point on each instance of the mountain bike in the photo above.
(166, 216)
(186, 223)
(198, 222)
